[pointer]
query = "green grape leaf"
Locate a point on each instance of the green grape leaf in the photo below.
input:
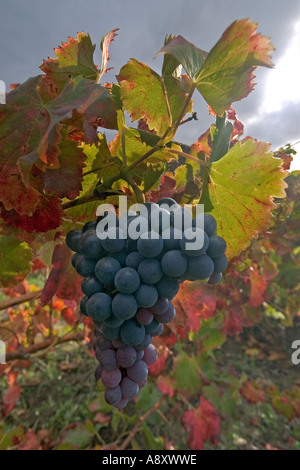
(185, 53)
(227, 73)
(239, 190)
(221, 136)
(75, 57)
(152, 176)
(15, 261)
(144, 92)
(142, 95)
(187, 374)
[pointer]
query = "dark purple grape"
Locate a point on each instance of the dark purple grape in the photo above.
(108, 359)
(159, 330)
(122, 404)
(138, 372)
(161, 306)
(144, 316)
(126, 356)
(150, 355)
(129, 388)
(146, 341)
(111, 378)
(98, 372)
(113, 396)
(168, 316)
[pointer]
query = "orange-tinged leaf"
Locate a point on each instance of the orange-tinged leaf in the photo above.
(253, 392)
(60, 261)
(258, 288)
(203, 424)
(166, 385)
(239, 190)
(73, 58)
(227, 73)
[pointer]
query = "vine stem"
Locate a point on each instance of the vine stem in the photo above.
(140, 198)
(189, 157)
(138, 424)
(47, 343)
(20, 300)
(186, 104)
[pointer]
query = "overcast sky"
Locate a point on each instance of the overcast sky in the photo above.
(29, 30)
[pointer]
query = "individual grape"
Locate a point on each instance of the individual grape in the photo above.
(113, 321)
(139, 355)
(209, 223)
(117, 343)
(220, 264)
(127, 280)
(74, 259)
(83, 308)
(89, 226)
(72, 239)
(111, 378)
(191, 239)
(90, 245)
(215, 278)
(124, 306)
(85, 266)
(129, 388)
(181, 218)
(150, 271)
(146, 296)
(174, 263)
(90, 286)
(158, 331)
(160, 306)
(115, 240)
(98, 372)
(98, 354)
(131, 245)
(217, 246)
(138, 372)
(120, 256)
(134, 259)
(113, 396)
(152, 326)
(167, 287)
(168, 201)
(111, 333)
(168, 316)
(102, 342)
(150, 355)
(144, 316)
(149, 246)
(200, 267)
(108, 359)
(106, 269)
(171, 238)
(122, 404)
(146, 341)
(99, 306)
(132, 333)
(126, 356)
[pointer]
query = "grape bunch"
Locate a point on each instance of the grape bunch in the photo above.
(128, 284)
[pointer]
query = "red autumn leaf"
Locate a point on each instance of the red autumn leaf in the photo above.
(70, 285)
(203, 424)
(159, 365)
(37, 264)
(166, 385)
(60, 261)
(232, 323)
(258, 288)
(30, 441)
(166, 189)
(47, 216)
(102, 418)
(68, 315)
(252, 392)
(10, 399)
